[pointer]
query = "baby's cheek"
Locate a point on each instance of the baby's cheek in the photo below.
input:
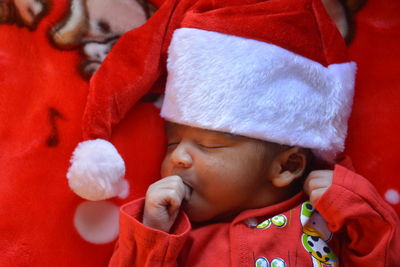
(165, 169)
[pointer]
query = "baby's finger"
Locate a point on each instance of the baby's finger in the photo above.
(315, 183)
(316, 180)
(172, 200)
(327, 174)
(316, 194)
(179, 185)
(163, 201)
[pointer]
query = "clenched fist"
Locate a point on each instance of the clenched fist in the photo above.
(163, 201)
(317, 183)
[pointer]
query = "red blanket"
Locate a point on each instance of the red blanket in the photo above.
(42, 97)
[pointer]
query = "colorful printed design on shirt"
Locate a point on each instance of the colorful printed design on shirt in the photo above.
(279, 221)
(315, 237)
(263, 262)
(278, 262)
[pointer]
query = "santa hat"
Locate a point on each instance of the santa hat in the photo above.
(274, 70)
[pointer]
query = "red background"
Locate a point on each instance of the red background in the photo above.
(36, 205)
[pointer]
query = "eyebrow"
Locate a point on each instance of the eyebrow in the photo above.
(230, 136)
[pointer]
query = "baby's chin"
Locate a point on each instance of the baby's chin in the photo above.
(195, 215)
(200, 217)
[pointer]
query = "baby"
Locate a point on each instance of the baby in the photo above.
(220, 175)
(255, 91)
(231, 200)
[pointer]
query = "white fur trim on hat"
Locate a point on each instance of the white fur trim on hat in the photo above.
(97, 171)
(256, 89)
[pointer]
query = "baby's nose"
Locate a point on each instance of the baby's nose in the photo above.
(181, 157)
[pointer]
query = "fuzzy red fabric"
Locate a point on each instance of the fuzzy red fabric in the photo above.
(42, 99)
(373, 141)
(283, 17)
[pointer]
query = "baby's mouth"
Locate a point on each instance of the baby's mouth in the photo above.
(190, 191)
(188, 186)
(187, 200)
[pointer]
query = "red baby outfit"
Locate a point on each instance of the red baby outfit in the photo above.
(358, 229)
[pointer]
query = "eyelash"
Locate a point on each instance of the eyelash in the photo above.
(200, 145)
(172, 144)
(209, 147)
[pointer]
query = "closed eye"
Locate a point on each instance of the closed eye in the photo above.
(211, 146)
(172, 144)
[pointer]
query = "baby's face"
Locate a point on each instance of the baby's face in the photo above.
(227, 173)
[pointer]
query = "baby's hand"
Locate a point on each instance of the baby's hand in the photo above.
(163, 201)
(317, 183)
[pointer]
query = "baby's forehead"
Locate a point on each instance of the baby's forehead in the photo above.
(175, 128)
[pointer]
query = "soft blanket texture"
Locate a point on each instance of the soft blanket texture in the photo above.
(42, 98)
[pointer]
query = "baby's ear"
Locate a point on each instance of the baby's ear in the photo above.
(287, 166)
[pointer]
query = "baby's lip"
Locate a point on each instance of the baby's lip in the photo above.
(185, 179)
(190, 190)
(186, 183)
(190, 187)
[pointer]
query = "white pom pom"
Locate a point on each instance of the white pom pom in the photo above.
(97, 171)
